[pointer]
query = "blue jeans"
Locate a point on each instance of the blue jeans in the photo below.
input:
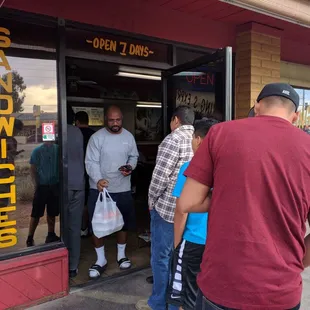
(161, 253)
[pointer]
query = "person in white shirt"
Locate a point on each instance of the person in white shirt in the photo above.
(108, 150)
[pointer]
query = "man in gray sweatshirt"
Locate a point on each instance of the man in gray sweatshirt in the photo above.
(108, 150)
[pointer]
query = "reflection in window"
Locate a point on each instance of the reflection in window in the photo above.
(304, 109)
(34, 94)
(201, 89)
(148, 123)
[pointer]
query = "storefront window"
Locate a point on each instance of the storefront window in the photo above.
(29, 171)
(304, 109)
(201, 89)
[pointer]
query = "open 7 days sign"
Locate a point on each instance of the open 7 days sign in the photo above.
(48, 131)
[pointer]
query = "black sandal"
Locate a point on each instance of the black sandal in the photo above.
(100, 270)
(122, 261)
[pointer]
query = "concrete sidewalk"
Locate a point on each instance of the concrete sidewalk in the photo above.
(122, 294)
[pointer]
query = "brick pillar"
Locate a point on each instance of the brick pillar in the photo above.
(257, 63)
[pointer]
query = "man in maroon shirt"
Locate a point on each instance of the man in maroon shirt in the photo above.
(260, 171)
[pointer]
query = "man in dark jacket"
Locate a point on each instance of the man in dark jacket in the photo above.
(82, 121)
(76, 192)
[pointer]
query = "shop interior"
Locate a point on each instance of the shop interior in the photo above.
(92, 87)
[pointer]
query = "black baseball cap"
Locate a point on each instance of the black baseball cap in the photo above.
(280, 90)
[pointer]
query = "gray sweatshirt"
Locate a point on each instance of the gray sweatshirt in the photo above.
(106, 153)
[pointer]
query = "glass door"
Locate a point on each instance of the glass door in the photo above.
(205, 84)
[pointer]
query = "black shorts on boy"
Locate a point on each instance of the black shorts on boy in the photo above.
(183, 288)
(45, 196)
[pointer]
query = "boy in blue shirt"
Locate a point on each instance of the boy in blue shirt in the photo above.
(44, 163)
(190, 234)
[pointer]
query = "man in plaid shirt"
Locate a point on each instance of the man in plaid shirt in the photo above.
(173, 152)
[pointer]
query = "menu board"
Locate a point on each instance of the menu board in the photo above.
(201, 102)
(196, 89)
(96, 115)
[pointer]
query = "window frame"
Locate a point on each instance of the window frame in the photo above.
(29, 18)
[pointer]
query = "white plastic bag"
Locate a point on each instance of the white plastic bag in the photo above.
(107, 218)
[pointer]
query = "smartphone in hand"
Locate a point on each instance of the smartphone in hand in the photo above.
(125, 168)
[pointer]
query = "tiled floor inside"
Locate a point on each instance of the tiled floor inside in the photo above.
(137, 251)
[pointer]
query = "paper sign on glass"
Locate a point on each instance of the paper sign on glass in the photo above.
(48, 131)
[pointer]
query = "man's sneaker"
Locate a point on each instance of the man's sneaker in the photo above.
(145, 236)
(142, 305)
(52, 238)
(84, 233)
(73, 273)
(150, 280)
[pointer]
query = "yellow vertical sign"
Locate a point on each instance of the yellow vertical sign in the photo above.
(8, 230)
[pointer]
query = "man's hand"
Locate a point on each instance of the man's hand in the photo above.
(102, 184)
(306, 260)
(126, 172)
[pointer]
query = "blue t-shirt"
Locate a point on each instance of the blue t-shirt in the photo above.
(197, 223)
(45, 159)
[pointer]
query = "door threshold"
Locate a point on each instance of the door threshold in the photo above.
(94, 283)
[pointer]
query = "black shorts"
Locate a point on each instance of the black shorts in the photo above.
(183, 288)
(86, 189)
(46, 196)
(124, 202)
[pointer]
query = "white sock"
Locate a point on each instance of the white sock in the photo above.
(101, 260)
(121, 251)
(121, 254)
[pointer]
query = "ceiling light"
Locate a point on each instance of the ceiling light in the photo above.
(149, 102)
(260, 9)
(139, 70)
(139, 76)
(148, 106)
(190, 73)
(82, 82)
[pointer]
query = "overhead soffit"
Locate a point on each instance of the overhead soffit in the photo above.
(236, 15)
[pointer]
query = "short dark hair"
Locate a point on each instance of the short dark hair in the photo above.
(70, 115)
(18, 124)
(185, 114)
(202, 126)
(82, 117)
(283, 101)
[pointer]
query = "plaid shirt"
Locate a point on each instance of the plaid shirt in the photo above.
(173, 152)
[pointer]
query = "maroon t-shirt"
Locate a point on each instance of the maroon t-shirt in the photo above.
(260, 171)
